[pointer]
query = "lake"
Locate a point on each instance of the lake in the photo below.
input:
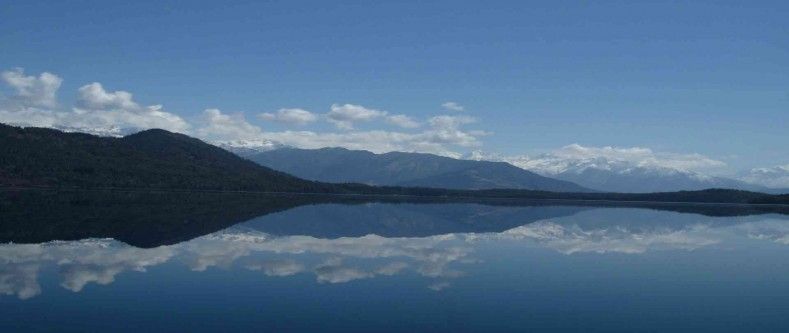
(125, 261)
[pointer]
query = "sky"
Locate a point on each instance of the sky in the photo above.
(707, 79)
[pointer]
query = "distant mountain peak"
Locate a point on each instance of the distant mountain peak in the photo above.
(776, 176)
(156, 133)
(246, 148)
(611, 173)
(111, 131)
(405, 169)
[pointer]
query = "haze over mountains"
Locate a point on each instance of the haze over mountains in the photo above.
(623, 174)
(775, 177)
(416, 169)
(339, 165)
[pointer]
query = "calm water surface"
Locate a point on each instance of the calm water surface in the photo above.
(396, 267)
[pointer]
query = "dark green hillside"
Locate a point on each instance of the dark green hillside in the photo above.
(149, 159)
(779, 199)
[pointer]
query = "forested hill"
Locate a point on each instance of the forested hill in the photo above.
(148, 159)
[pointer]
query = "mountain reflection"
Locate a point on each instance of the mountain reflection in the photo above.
(338, 243)
(149, 219)
(330, 260)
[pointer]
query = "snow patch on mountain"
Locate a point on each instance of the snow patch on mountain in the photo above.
(776, 177)
(110, 131)
(246, 148)
(578, 159)
(633, 169)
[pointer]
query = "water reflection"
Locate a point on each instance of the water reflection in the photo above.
(438, 243)
(151, 219)
(330, 260)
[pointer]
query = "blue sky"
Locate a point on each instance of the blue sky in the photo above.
(685, 77)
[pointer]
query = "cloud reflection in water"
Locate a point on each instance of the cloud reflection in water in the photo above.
(439, 258)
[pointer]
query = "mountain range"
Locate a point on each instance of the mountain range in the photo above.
(339, 165)
(599, 173)
(486, 172)
(618, 175)
(160, 160)
(246, 148)
(775, 177)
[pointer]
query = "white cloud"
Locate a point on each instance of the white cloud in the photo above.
(431, 141)
(31, 100)
(452, 106)
(577, 157)
(447, 129)
(202, 255)
(776, 177)
(77, 277)
(223, 127)
(775, 230)
(641, 157)
(391, 268)
(97, 111)
(299, 117)
(281, 267)
(403, 121)
(444, 135)
(19, 280)
(27, 116)
(99, 261)
(332, 271)
(344, 116)
(115, 113)
(97, 107)
(94, 97)
(439, 286)
(450, 122)
(31, 91)
(569, 239)
(80, 262)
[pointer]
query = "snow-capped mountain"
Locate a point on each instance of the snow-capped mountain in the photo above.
(107, 131)
(246, 148)
(776, 177)
(113, 131)
(624, 170)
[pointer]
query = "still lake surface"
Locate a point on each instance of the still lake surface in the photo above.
(143, 263)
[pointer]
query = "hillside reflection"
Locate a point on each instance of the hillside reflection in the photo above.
(339, 242)
(151, 219)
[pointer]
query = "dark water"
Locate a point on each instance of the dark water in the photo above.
(164, 262)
